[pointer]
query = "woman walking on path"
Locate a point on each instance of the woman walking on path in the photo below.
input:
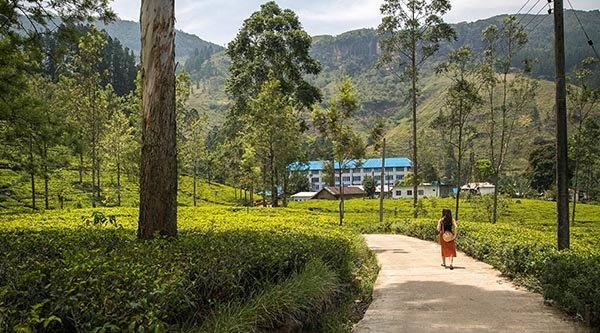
(447, 230)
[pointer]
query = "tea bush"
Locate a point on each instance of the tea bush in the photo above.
(570, 278)
(59, 272)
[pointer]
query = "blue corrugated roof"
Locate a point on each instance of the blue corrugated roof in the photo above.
(390, 162)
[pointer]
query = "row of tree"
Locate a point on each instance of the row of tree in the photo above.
(73, 116)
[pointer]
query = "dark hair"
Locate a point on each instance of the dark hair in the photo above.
(447, 216)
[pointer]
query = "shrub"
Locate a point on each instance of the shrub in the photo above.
(59, 275)
(570, 278)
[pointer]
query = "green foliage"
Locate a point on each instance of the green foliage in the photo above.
(298, 182)
(483, 170)
(59, 276)
(305, 293)
(370, 186)
(333, 126)
(271, 41)
(273, 129)
(522, 244)
(542, 172)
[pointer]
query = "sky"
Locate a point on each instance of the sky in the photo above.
(219, 21)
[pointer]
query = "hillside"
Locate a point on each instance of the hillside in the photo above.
(355, 53)
(128, 32)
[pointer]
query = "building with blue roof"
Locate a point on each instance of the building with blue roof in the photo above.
(395, 169)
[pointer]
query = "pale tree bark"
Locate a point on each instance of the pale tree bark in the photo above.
(158, 171)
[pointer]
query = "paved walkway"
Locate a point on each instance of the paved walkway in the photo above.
(413, 293)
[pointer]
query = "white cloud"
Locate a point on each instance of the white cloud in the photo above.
(219, 21)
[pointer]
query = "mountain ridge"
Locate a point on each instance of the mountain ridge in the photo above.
(355, 53)
(128, 33)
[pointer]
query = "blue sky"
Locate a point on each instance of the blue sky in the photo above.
(218, 21)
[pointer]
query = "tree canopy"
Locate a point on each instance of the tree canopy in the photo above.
(271, 41)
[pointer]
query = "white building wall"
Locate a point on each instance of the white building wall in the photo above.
(357, 176)
(403, 192)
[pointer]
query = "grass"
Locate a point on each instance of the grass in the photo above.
(308, 292)
(15, 191)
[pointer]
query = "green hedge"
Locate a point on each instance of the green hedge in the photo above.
(569, 278)
(73, 278)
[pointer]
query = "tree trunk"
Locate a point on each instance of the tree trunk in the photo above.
(32, 172)
(575, 189)
(285, 188)
(158, 170)
(119, 183)
(459, 164)
(98, 194)
(382, 178)
(413, 95)
(45, 163)
(93, 173)
(194, 185)
(274, 202)
(495, 207)
(46, 203)
(81, 167)
(341, 194)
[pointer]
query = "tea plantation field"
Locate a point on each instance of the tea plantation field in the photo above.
(522, 244)
(230, 270)
(239, 269)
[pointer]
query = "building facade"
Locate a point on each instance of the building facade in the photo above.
(395, 169)
(425, 190)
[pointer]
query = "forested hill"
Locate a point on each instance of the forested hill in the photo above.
(356, 51)
(128, 32)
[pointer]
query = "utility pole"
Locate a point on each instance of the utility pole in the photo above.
(382, 180)
(562, 179)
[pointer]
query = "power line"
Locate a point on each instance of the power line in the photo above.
(529, 11)
(520, 9)
(538, 24)
(589, 41)
(534, 17)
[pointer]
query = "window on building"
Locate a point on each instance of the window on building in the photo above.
(408, 192)
(420, 192)
(408, 168)
(377, 178)
(398, 192)
(337, 179)
(315, 180)
(389, 177)
(314, 172)
(346, 178)
(356, 178)
(399, 177)
(390, 169)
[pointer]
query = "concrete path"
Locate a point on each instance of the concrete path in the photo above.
(413, 293)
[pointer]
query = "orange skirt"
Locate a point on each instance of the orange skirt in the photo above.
(448, 248)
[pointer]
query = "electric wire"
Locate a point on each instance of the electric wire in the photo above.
(589, 41)
(534, 17)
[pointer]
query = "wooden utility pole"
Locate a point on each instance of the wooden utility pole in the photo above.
(562, 179)
(382, 178)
